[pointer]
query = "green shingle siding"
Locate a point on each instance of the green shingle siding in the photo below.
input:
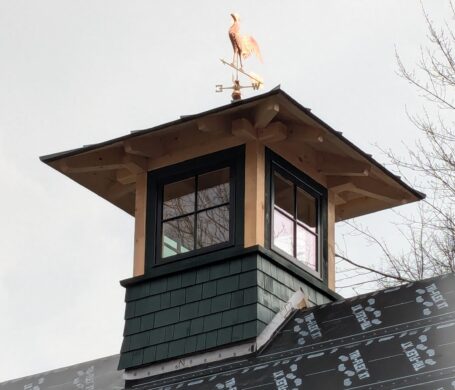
(167, 317)
(132, 326)
(147, 322)
(209, 289)
(162, 351)
(189, 311)
(204, 308)
(237, 299)
(221, 303)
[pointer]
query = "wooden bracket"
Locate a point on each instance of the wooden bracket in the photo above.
(118, 190)
(274, 132)
(265, 113)
(244, 129)
(125, 176)
(135, 164)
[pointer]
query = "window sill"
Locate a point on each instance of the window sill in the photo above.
(300, 264)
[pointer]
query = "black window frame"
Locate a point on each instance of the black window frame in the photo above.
(233, 158)
(275, 163)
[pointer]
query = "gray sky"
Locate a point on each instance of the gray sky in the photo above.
(77, 72)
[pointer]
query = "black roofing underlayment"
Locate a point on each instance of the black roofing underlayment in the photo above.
(93, 375)
(400, 338)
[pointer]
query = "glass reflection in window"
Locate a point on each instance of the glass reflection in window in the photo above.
(295, 221)
(195, 213)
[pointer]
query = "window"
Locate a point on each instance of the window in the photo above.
(195, 213)
(192, 207)
(297, 213)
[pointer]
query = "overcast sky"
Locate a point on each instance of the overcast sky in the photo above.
(79, 72)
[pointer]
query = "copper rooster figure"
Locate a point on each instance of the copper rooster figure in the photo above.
(243, 45)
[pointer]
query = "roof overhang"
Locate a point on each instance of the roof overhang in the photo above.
(359, 184)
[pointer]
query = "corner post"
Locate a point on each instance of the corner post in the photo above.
(254, 194)
(139, 224)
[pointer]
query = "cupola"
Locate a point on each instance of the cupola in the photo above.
(235, 210)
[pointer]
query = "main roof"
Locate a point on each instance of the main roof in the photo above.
(400, 338)
(109, 168)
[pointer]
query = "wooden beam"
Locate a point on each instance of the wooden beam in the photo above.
(139, 224)
(306, 133)
(213, 124)
(338, 199)
(202, 145)
(104, 160)
(95, 161)
(367, 187)
(360, 206)
(334, 165)
(274, 132)
(254, 222)
(265, 113)
(244, 129)
(377, 190)
(339, 184)
(149, 146)
(301, 156)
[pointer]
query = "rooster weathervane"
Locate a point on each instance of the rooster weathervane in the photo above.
(243, 46)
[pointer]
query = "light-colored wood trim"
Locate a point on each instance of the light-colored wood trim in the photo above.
(254, 223)
(331, 240)
(139, 224)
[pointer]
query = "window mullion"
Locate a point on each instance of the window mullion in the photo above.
(295, 221)
(195, 211)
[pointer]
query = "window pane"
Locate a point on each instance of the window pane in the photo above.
(284, 193)
(213, 226)
(178, 198)
(283, 232)
(213, 188)
(306, 247)
(306, 209)
(178, 236)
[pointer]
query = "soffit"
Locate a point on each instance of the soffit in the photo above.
(359, 184)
